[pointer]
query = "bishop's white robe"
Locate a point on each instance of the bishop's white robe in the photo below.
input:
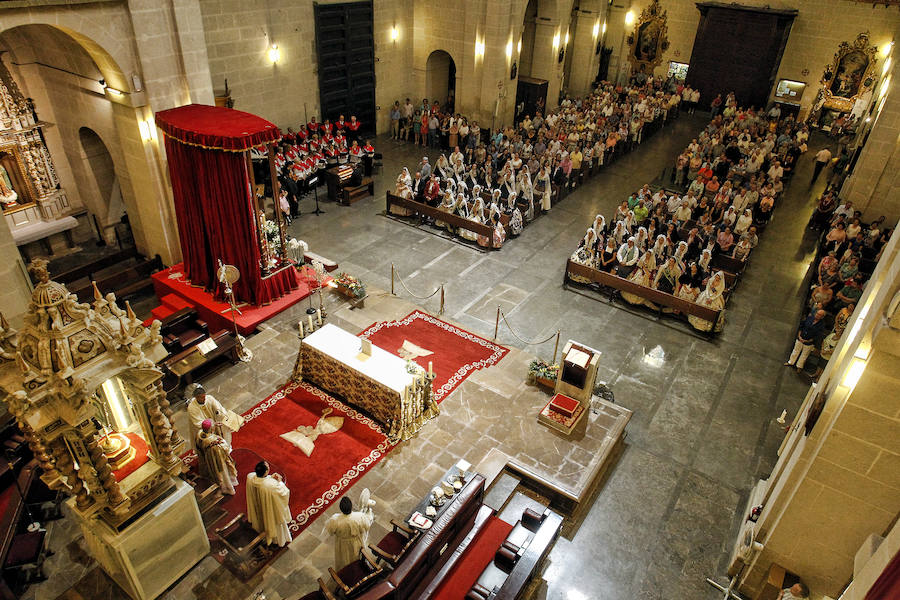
(351, 533)
(211, 409)
(267, 508)
(216, 462)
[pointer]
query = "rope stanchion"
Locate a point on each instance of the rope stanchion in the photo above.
(497, 323)
(501, 314)
(431, 295)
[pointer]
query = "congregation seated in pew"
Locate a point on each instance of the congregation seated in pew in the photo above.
(694, 245)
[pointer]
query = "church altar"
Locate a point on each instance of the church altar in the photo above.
(380, 383)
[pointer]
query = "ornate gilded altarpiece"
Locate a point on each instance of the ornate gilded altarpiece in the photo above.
(648, 42)
(850, 75)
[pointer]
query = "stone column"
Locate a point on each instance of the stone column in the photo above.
(874, 186)
(83, 499)
(544, 62)
(585, 61)
(832, 488)
(15, 292)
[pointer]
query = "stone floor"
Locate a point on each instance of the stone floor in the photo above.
(703, 429)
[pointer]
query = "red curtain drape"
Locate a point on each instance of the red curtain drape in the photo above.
(217, 221)
(887, 587)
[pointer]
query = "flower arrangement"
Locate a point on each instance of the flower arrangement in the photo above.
(353, 285)
(541, 369)
(273, 236)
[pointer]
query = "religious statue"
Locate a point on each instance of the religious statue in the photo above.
(216, 463)
(350, 529)
(205, 406)
(268, 504)
(8, 196)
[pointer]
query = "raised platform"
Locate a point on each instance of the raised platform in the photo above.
(217, 313)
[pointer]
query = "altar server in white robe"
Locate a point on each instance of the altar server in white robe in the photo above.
(204, 406)
(350, 529)
(216, 463)
(268, 507)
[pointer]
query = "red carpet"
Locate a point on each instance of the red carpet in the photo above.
(456, 352)
(140, 457)
(173, 281)
(337, 459)
(477, 556)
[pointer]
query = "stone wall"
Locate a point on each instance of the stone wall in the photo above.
(818, 29)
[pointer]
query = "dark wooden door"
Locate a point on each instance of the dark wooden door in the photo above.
(738, 49)
(346, 52)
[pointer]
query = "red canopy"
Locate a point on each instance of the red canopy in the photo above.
(216, 127)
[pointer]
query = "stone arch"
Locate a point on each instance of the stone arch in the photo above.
(107, 203)
(440, 75)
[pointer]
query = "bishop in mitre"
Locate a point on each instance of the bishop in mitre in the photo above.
(350, 529)
(204, 406)
(268, 501)
(215, 458)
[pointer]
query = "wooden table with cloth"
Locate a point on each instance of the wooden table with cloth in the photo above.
(380, 384)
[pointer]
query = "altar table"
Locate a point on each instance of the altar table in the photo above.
(401, 402)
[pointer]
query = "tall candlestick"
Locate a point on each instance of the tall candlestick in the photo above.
(300, 326)
(430, 370)
(310, 322)
(319, 317)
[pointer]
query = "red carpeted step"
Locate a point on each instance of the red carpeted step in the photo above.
(175, 302)
(476, 557)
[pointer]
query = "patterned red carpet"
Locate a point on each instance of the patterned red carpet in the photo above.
(337, 459)
(454, 353)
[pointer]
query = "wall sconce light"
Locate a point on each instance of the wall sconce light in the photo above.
(887, 65)
(114, 92)
(479, 48)
(629, 17)
(519, 46)
(604, 27)
(395, 33)
(509, 49)
(596, 28)
(566, 43)
(148, 130)
(556, 41)
(274, 53)
(853, 373)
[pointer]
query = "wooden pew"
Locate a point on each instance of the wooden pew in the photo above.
(423, 210)
(653, 295)
(87, 270)
(126, 282)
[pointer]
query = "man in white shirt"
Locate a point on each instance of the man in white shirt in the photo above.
(798, 591)
(823, 157)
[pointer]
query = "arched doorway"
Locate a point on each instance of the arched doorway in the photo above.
(109, 208)
(440, 78)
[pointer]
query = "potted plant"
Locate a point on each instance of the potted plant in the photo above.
(542, 373)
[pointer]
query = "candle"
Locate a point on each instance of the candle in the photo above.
(300, 326)
(430, 371)
(310, 322)
(319, 316)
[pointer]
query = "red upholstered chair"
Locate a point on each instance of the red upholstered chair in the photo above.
(357, 576)
(26, 555)
(320, 594)
(394, 545)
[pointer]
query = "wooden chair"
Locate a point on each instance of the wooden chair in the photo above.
(394, 545)
(243, 542)
(357, 576)
(320, 594)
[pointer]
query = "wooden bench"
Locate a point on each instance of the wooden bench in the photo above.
(87, 270)
(423, 210)
(350, 194)
(129, 281)
(655, 296)
(328, 264)
(183, 367)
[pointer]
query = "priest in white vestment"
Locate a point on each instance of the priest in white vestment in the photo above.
(204, 406)
(215, 458)
(351, 531)
(268, 505)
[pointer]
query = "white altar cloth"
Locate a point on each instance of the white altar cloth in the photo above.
(343, 346)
